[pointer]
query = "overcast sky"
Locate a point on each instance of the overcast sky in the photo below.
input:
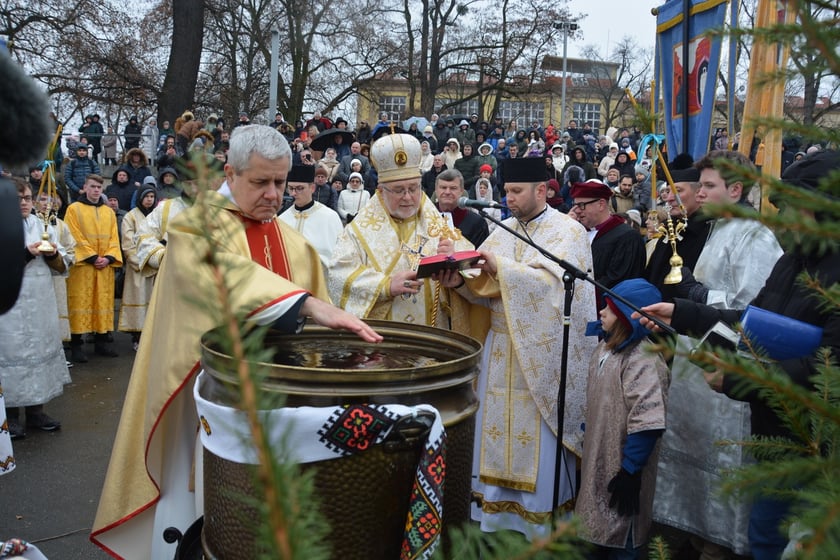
(607, 21)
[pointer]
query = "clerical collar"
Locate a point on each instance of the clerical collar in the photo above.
(306, 207)
(535, 218)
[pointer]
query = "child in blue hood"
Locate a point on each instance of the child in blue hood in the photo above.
(625, 417)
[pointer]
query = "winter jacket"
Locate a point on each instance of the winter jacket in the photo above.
(468, 166)
(123, 191)
(465, 135)
(132, 134)
(77, 171)
(428, 180)
(137, 174)
(783, 294)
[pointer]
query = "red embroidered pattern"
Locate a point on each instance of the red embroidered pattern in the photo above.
(354, 428)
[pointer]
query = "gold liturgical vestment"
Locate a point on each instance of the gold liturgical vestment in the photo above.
(159, 423)
(373, 247)
(90, 291)
(520, 373)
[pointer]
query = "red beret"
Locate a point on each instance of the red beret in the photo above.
(486, 167)
(591, 189)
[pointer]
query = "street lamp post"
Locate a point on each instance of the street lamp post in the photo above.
(273, 77)
(565, 26)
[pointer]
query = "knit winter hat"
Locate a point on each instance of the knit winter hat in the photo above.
(640, 293)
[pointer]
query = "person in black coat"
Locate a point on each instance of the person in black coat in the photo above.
(618, 251)
(429, 178)
(693, 237)
(121, 187)
(94, 133)
(449, 187)
(578, 157)
(132, 134)
(784, 294)
(468, 164)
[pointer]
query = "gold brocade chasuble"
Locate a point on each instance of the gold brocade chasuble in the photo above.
(525, 345)
(185, 305)
(373, 247)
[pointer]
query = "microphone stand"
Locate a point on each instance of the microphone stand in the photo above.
(571, 272)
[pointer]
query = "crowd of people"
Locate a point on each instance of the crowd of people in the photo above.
(333, 229)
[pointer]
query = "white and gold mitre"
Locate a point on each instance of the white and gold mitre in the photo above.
(396, 157)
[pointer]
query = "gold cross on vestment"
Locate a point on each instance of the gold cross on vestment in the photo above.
(548, 404)
(494, 432)
(267, 254)
(497, 355)
(545, 343)
(525, 438)
(533, 368)
(371, 221)
(522, 327)
(535, 302)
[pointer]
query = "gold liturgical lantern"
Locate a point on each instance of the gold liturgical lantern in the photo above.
(671, 230)
(48, 187)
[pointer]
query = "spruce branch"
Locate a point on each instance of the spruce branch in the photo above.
(248, 397)
(658, 549)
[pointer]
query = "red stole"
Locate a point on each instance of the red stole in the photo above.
(266, 244)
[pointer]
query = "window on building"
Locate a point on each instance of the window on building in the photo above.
(588, 112)
(394, 105)
(462, 108)
(523, 112)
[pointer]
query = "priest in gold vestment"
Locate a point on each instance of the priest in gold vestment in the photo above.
(273, 277)
(516, 426)
(372, 270)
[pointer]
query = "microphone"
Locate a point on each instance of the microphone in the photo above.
(465, 202)
(24, 112)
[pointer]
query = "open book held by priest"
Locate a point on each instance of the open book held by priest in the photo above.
(460, 260)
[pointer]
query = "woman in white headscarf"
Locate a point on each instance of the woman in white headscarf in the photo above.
(427, 159)
(484, 192)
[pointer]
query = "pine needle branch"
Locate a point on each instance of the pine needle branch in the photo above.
(249, 401)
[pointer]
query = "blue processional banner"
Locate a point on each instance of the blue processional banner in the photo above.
(702, 69)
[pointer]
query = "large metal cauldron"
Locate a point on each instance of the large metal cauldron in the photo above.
(321, 367)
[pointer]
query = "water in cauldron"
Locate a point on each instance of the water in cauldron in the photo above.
(335, 354)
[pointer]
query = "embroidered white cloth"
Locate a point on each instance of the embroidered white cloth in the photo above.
(312, 434)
